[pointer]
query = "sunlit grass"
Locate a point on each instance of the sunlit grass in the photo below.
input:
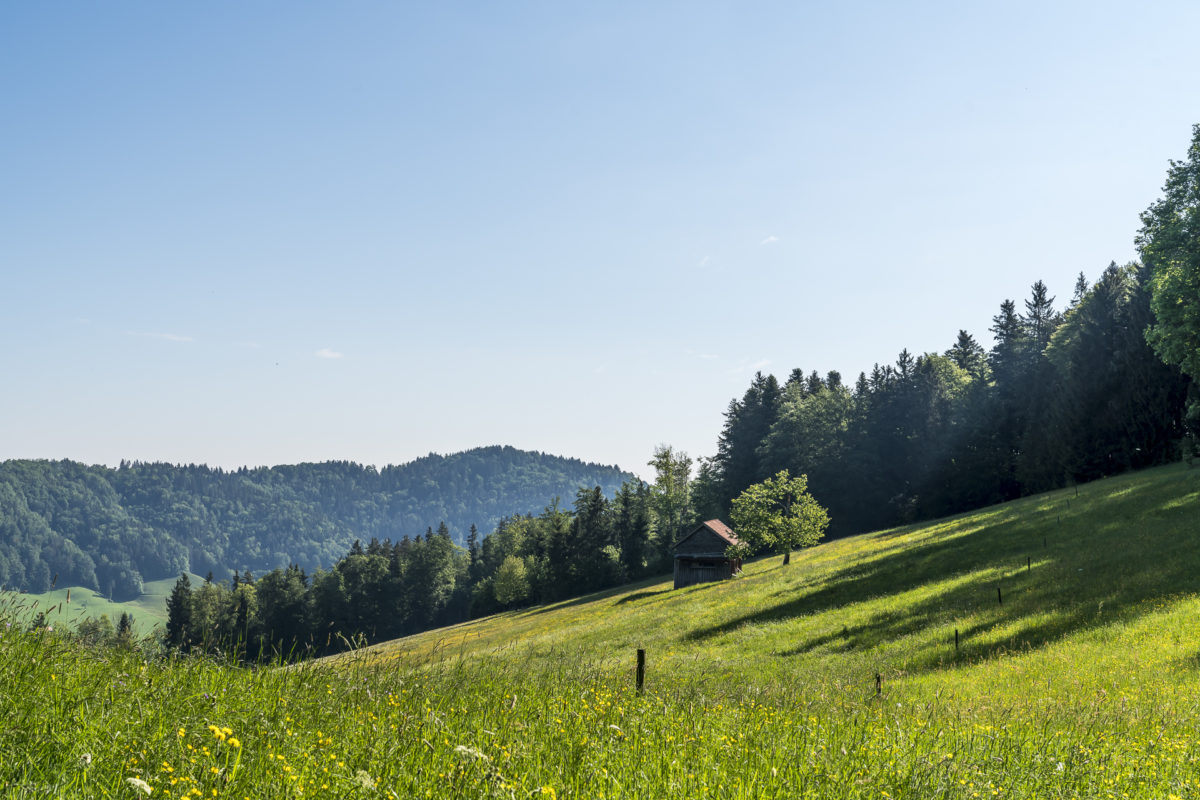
(1084, 682)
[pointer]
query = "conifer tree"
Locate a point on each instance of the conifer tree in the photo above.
(179, 613)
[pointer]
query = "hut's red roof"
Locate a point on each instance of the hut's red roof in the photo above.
(722, 530)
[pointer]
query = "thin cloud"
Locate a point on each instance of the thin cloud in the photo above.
(326, 352)
(770, 240)
(166, 337)
(756, 366)
(704, 262)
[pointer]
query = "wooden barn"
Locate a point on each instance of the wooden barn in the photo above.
(700, 555)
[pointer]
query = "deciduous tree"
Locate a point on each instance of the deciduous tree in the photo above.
(780, 513)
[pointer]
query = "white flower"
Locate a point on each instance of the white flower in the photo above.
(364, 780)
(1061, 766)
(139, 784)
(86, 758)
(469, 753)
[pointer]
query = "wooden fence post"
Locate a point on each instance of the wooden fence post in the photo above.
(956, 640)
(641, 669)
(999, 597)
(878, 684)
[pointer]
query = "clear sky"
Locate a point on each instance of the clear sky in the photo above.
(260, 233)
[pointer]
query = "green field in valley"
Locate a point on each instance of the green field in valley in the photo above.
(1083, 682)
(69, 605)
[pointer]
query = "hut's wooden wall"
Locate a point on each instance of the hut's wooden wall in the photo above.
(701, 570)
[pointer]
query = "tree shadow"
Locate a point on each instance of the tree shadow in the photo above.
(631, 598)
(597, 595)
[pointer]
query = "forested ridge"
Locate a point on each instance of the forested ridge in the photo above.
(111, 528)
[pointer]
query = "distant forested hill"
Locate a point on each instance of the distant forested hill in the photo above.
(108, 529)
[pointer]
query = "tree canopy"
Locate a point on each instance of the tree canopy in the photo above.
(1169, 242)
(779, 513)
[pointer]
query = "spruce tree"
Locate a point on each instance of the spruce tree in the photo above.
(968, 354)
(179, 613)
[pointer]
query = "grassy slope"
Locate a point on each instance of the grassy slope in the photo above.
(1084, 683)
(1072, 569)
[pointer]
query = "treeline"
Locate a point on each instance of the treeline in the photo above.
(388, 589)
(110, 529)
(1063, 395)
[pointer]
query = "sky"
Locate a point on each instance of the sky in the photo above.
(271, 232)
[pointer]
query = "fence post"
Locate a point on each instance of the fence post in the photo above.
(878, 684)
(956, 640)
(641, 669)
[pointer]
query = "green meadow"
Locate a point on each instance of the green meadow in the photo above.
(75, 603)
(1076, 674)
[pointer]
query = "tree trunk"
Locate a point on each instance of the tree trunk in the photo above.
(787, 558)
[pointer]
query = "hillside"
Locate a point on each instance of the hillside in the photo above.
(1082, 683)
(148, 611)
(1066, 564)
(111, 529)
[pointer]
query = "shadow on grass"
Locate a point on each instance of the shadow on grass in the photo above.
(631, 598)
(1094, 564)
(600, 594)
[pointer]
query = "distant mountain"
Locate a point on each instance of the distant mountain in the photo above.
(110, 529)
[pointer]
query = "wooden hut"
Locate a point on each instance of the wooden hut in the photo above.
(700, 554)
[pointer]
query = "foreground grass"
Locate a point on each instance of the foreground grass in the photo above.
(1085, 682)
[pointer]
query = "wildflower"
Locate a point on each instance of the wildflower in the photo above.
(86, 758)
(364, 780)
(469, 754)
(140, 785)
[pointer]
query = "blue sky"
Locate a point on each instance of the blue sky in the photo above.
(273, 232)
